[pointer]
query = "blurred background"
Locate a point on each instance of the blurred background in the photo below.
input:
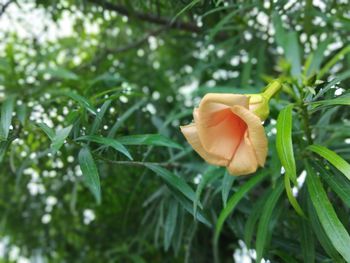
(140, 67)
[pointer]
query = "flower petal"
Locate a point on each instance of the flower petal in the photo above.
(219, 129)
(191, 135)
(244, 161)
(256, 132)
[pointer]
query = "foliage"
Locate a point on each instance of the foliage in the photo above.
(94, 167)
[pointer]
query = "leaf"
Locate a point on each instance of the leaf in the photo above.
(124, 117)
(333, 82)
(292, 200)
(326, 214)
(170, 224)
(99, 116)
(333, 61)
(321, 234)
(339, 184)
(338, 162)
(264, 222)
(340, 100)
(49, 132)
(85, 103)
(176, 182)
(115, 144)
(209, 176)
(6, 117)
(234, 200)
(149, 139)
(284, 143)
(60, 136)
(90, 173)
(62, 73)
(227, 183)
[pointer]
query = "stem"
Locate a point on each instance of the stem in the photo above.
(272, 89)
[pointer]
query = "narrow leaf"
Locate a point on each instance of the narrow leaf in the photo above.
(90, 173)
(115, 144)
(176, 182)
(292, 200)
(338, 162)
(265, 219)
(227, 183)
(234, 200)
(85, 103)
(149, 139)
(284, 143)
(6, 117)
(60, 136)
(170, 223)
(326, 214)
(49, 132)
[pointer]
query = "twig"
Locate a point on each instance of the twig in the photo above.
(189, 27)
(4, 7)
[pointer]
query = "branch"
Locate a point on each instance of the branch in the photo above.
(189, 27)
(4, 7)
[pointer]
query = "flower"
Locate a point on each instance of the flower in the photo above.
(227, 132)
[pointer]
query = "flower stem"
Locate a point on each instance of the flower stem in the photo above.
(272, 89)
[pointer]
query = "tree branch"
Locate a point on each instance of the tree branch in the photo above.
(189, 27)
(4, 7)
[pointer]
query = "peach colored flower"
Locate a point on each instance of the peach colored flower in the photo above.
(227, 133)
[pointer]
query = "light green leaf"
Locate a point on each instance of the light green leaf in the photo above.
(234, 200)
(60, 136)
(49, 132)
(149, 139)
(292, 200)
(90, 173)
(178, 183)
(333, 61)
(284, 143)
(338, 162)
(115, 144)
(265, 219)
(340, 100)
(62, 73)
(6, 117)
(326, 214)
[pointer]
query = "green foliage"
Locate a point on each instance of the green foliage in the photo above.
(94, 167)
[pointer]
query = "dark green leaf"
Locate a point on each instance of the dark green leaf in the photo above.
(6, 117)
(115, 144)
(60, 136)
(227, 183)
(326, 214)
(90, 173)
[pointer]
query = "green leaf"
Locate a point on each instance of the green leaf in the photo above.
(227, 183)
(6, 117)
(234, 200)
(115, 144)
(338, 162)
(340, 100)
(265, 219)
(120, 121)
(90, 173)
(209, 176)
(326, 214)
(149, 139)
(62, 73)
(49, 132)
(321, 234)
(99, 116)
(339, 184)
(176, 182)
(60, 136)
(333, 61)
(85, 103)
(284, 143)
(170, 223)
(292, 200)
